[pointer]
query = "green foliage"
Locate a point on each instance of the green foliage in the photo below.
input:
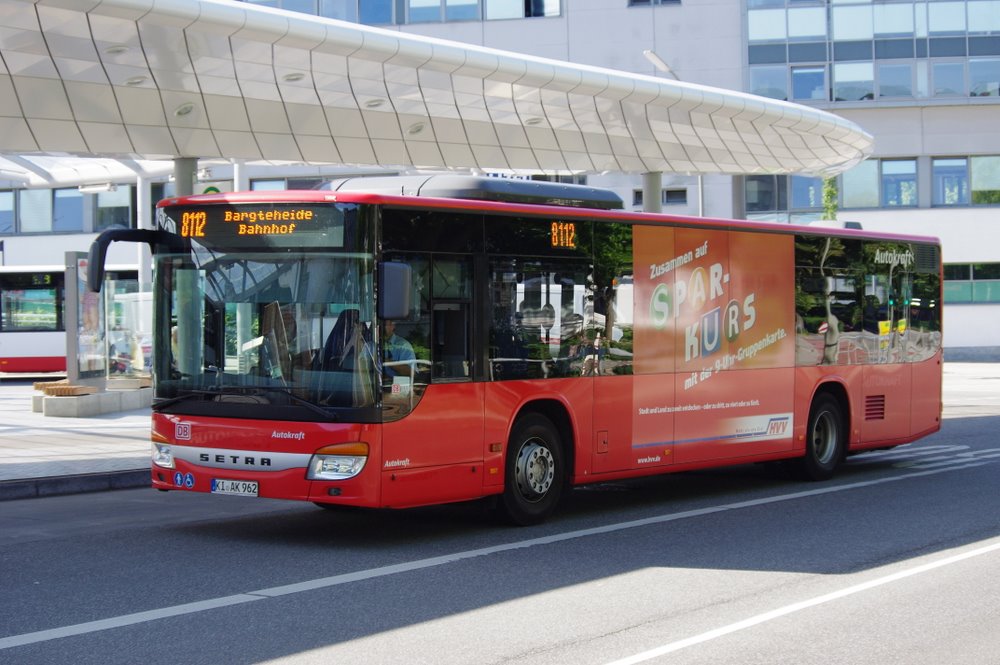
(985, 196)
(830, 199)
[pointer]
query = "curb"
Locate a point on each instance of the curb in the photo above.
(78, 484)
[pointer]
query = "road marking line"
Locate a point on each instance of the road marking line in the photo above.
(421, 564)
(803, 605)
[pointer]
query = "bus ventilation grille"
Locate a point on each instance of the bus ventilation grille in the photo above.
(875, 407)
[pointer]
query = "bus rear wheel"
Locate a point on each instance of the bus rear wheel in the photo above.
(535, 473)
(825, 439)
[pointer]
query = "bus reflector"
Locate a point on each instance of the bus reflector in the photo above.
(356, 449)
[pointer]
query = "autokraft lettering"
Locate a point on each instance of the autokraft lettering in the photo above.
(299, 436)
(894, 258)
(246, 460)
(397, 463)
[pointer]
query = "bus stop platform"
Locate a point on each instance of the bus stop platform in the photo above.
(46, 456)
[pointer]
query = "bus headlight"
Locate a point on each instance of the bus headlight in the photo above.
(338, 462)
(163, 455)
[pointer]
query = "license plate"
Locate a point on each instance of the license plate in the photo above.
(236, 487)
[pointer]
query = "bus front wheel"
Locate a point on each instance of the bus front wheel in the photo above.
(535, 473)
(825, 439)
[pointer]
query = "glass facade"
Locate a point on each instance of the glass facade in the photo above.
(65, 210)
(972, 283)
(398, 12)
(779, 198)
(862, 50)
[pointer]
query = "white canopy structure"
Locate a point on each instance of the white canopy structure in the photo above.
(155, 79)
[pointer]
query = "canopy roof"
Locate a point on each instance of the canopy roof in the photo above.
(149, 79)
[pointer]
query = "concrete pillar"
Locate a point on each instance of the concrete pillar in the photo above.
(652, 187)
(144, 220)
(241, 179)
(185, 170)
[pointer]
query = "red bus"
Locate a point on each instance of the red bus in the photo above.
(463, 338)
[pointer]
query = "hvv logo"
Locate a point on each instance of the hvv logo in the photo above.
(778, 426)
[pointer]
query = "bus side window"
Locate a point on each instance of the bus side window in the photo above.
(451, 324)
(451, 341)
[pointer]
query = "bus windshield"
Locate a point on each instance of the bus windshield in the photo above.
(277, 335)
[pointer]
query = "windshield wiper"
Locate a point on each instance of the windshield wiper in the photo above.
(250, 391)
(298, 400)
(164, 403)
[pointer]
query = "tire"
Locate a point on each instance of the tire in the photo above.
(825, 439)
(535, 471)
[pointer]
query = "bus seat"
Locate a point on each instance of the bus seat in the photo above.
(337, 343)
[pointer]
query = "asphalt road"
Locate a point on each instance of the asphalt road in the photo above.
(894, 561)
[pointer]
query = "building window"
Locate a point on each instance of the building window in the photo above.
(895, 79)
(769, 82)
(34, 210)
(899, 182)
(809, 82)
(984, 77)
(948, 79)
(887, 183)
(675, 197)
(461, 10)
(946, 18)
(7, 212)
(502, 9)
(667, 197)
(765, 25)
(859, 186)
(852, 23)
(893, 20)
(267, 185)
(950, 182)
(423, 11)
(853, 81)
(426, 11)
(807, 23)
(112, 208)
(778, 198)
(807, 193)
(972, 283)
(985, 178)
(375, 12)
(765, 193)
(984, 16)
(66, 210)
(344, 10)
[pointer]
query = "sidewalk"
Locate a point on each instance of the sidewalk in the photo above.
(45, 456)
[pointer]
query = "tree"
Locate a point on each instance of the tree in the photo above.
(830, 198)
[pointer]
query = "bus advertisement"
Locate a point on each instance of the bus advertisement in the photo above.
(355, 347)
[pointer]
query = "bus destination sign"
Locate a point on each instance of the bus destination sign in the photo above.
(245, 225)
(563, 235)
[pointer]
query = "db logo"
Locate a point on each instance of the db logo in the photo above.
(182, 431)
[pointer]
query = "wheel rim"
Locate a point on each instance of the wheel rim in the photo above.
(824, 438)
(534, 470)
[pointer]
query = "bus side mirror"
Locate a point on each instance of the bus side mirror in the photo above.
(99, 249)
(394, 300)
